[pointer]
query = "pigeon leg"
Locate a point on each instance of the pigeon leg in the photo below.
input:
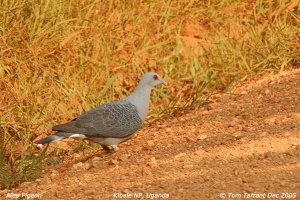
(110, 149)
(114, 147)
(106, 148)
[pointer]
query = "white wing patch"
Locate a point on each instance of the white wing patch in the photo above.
(76, 135)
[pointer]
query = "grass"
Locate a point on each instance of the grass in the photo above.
(61, 58)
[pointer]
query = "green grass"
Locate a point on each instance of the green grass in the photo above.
(61, 58)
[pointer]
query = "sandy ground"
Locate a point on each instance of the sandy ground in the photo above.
(244, 143)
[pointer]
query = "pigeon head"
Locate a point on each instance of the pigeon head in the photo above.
(151, 79)
(140, 97)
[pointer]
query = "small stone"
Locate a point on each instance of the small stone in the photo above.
(244, 180)
(80, 165)
(209, 107)
(168, 130)
(268, 154)
(249, 189)
(251, 129)
(54, 173)
(236, 172)
(267, 91)
(271, 121)
(187, 166)
(113, 162)
(263, 134)
(138, 149)
(150, 143)
(238, 134)
(153, 162)
(233, 123)
(47, 181)
(124, 157)
(180, 190)
(202, 137)
(189, 139)
(126, 191)
(25, 183)
(146, 171)
(287, 134)
(97, 159)
(180, 155)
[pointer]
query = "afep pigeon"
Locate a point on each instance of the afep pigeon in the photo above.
(111, 123)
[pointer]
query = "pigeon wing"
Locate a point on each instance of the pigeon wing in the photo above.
(118, 119)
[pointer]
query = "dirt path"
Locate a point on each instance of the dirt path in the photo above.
(244, 142)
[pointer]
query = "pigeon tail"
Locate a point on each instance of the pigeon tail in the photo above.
(55, 137)
(48, 139)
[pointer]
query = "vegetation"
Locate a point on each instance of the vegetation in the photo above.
(61, 58)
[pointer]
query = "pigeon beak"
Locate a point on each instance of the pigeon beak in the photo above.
(163, 82)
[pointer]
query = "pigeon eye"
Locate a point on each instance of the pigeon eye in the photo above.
(155, 77)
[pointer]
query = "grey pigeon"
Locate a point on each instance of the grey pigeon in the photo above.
(111, 123)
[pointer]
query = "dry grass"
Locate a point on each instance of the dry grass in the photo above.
(61, 58)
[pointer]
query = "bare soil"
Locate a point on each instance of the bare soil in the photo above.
(245, 141)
